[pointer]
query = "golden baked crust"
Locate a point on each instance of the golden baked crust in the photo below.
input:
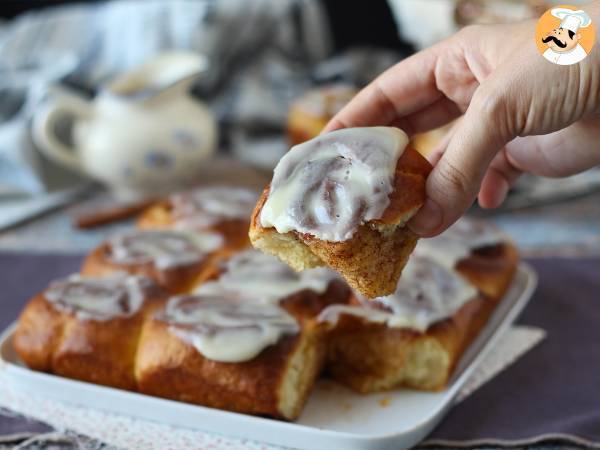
(53, 340)
(139, 353)
(176, 280)
(276, 383)
(490, 268)
(160, 217)
(305, 305)
(304, 123)
(303, 126)
(371, 357)
(428, 142)
(39, 331)
(372, 260)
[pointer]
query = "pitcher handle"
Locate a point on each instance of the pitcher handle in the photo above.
(44, 125)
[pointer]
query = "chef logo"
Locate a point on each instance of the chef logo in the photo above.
(565, 35)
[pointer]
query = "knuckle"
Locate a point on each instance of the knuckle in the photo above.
(489, 103)
(469, 32)
(452, 183)
(470, 36)
(496, 109)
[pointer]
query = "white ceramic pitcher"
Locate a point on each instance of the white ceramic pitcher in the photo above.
(143, 134)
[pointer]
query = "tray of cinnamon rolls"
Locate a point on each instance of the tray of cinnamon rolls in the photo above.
(286, 316)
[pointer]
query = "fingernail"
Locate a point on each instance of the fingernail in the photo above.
(428, 219)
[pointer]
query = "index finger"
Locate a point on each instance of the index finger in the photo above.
(405, 88)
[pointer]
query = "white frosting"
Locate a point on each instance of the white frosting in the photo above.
(238, 315)
(164, 248)
(330, 185)
(207, 206)
(458, 241)
(427, 293)
(228, 327)
(266, 278)
(100, 299)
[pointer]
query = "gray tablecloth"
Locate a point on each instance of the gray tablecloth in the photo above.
(551, 394)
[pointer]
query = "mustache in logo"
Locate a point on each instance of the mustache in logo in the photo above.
(556, 41)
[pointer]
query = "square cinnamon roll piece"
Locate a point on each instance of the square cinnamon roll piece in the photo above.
(416, 336)
(224, 210)
(175, 260)
(478, 250)
(87, 328)
(342, 200)
(245, 342)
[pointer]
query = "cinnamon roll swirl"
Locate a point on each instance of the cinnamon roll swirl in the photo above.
(87, 328)
(219, 209)
(342, 200)
(246, 341)
(176, 260)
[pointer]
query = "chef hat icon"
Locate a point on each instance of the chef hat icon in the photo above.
(571, 20)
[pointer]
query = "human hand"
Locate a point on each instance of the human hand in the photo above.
(521, 114)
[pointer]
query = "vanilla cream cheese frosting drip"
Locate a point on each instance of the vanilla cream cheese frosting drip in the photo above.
(330, 185)
(100, 298)
(238, 315)
(204, 207)
(227, 326)
(163, 248)
(427, 293)
(458, 241)
(265, 278)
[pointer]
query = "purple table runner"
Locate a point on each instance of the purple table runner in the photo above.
(553, 390)
(555, 387)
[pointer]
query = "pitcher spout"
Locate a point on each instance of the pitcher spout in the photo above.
(166, 73)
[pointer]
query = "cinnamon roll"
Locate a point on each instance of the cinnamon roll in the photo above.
(478, 250)
(342, 200)
(416, 336)
(219, 209)
(246, 341)
(175, 260)
(313, 110)
(87, 328)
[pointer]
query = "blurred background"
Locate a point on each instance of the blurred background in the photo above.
(105, 103)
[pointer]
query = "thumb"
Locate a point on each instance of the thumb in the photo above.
(454, 182)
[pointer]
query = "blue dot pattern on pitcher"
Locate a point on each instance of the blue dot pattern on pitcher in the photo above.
(159, 159)
(185, 139)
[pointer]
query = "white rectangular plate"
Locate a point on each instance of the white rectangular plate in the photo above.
(334, 417)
